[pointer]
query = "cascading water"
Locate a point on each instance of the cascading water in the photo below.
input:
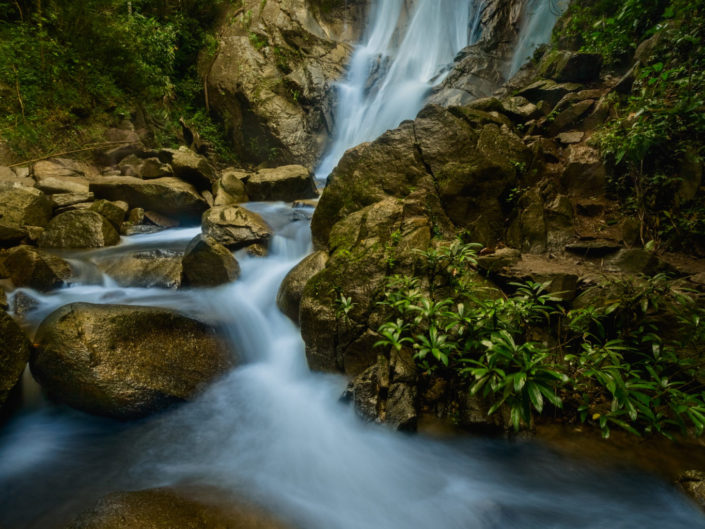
(392, 71)
(537, 25)
(274, 433)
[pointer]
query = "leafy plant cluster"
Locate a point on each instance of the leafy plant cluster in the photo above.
(656, 143)
(65, 64)
(633, 360)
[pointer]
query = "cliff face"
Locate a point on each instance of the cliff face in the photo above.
(271, 76)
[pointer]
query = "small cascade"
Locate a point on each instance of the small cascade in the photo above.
(403, 53)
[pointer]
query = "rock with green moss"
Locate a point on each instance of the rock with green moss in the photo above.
(291, 289)
(29, 267)
(124, 361)
(79, 229)
(207, 263)
(571, 67)
(14, 354)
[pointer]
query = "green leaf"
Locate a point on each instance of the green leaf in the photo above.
(535, 396)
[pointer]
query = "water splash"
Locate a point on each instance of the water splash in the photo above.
(403, 53)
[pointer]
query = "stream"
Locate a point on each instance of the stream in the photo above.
(273, 432)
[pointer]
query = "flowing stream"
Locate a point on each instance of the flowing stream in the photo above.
(273, 432)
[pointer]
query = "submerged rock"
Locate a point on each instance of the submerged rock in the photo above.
(171, 509)
(207, 263)
(79, 229)
(147, 269)
(14, 354)
(123, 361)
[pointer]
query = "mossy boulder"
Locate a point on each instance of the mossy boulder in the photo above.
(291, 289)
(79, 229)
(25, 206)
(14, 354)
(29, 267)
(207, 263)
(125, 362)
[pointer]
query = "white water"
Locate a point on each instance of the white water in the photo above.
(539, 18)
(273, 432)
(393, 69)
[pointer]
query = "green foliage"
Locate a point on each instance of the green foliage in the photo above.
(64, 65)
(631, 359)
(659, 132)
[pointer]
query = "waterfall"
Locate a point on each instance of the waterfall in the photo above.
(538, 20)
(403, 53)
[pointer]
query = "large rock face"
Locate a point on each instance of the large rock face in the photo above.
(170, 509)
(125, 362)
(14, 354)
(272, 76)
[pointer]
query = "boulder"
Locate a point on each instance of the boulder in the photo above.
(146, 269)
(9, 179)
(124, 361)
(569, 117)
(168, 196)
(230, 189)
(501, 258)
(286, 183)
(638, 261)
(692, 482)
(61, 168)
(571, 67)
(10, 236)
(590, 247)
(79, 229)
(20, 207)
(192, 168)
(65, 184)
(170, 509)
(235, 227)
(207, 263)
(548, 91)
(4, 305)
(584, 174)
(115, 212)
(154, 168)
(14, 354)
(292, 288)
(33, 268)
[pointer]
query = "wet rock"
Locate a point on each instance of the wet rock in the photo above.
(168, 196)
(152, 217)
(29, 267)
(79, 229)
(292, 288)
(570, 116)
(207, 263)
(23, 303)
(571, 67)
(692, 482)
(22, 207)
(147, 269)
(285, 183)
(11, 236)
(170, 509)
(192, 168)
(14, 354)
(115, 212)
(124, 361)
(235, 227)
